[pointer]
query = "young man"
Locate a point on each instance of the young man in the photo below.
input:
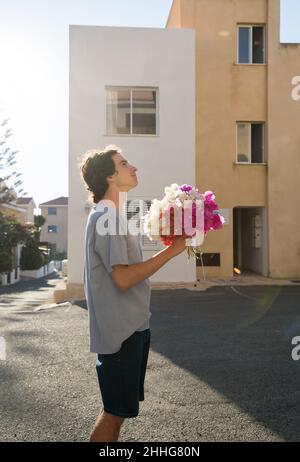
(117, 289)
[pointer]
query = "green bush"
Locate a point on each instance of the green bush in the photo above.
(31, 257)
(6, 262)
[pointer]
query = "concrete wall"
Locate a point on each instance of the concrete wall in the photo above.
(111, 56)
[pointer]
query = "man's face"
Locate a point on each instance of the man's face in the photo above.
(125, 177)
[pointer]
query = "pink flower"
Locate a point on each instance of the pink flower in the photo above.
(173, 204)
(209, 196)
(186, 187)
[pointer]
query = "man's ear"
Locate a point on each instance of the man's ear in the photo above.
(110, 178)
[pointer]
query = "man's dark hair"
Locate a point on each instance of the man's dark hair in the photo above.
(96, 167)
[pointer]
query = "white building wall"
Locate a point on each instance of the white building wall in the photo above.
(112, 56)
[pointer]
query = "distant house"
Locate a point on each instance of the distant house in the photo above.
(55, 229)
(28, 204)
(13, 210)
(21, 208)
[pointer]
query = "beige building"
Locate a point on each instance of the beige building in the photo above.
(28, 204)
(247, 133)
(21, 208)
(12, 210)
(55, 229)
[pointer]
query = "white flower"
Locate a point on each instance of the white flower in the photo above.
(165, 202)
(171, 189)
(172, 198)
(178, 202)
(152, 226)
(155, 202)
(155, 207)
(181, 195)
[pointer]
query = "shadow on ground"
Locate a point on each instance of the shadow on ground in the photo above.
(29, 285)
(238, 341)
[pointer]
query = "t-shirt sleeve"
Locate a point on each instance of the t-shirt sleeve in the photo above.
(112, 249)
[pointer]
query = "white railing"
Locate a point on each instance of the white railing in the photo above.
(10, 278)
(39, 273)
(14, 276)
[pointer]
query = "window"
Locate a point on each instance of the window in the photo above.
(251, 45)
(131, 111)
(136, 208)
(52, 210)
(52, 229)
(209, 259)
(250, 142)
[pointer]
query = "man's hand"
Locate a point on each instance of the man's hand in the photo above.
(178, 245)
(126, 277)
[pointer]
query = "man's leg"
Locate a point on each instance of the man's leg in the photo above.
(107, 428)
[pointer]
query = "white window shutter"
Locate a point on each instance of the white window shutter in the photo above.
(134, 214)
(147, 244)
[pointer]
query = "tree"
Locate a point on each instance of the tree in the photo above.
(31, 256)
(39, 221)
(12, 233)
(7, 175)
(6, 262)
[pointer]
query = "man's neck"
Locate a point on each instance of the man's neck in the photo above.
(118, 198)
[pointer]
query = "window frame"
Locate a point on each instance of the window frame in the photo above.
(53, 209)
(133, 88)
(250, 26)
(250, 141)
(206, 256)
(52, 232)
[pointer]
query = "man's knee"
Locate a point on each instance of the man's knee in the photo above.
(114, 419)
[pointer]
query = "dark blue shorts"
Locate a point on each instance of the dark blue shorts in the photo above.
(121, 375)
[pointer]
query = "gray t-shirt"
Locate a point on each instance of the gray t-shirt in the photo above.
(113, 315)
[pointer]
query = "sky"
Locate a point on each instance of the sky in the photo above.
(34, 74)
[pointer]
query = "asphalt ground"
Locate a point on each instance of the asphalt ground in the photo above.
(220, 367)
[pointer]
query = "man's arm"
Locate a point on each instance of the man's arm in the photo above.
(126, 277)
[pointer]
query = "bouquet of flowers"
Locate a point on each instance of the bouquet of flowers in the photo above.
(183, 211)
